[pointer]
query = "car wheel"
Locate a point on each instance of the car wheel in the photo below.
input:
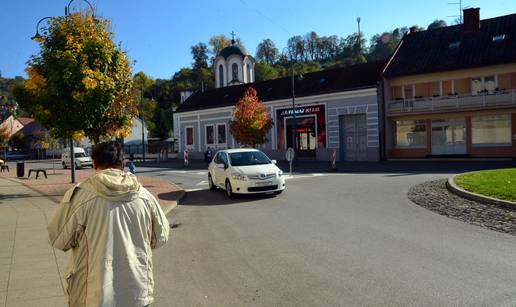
(278, 192)
(229, 189)
(210, 183)
(64, 165)
(77, 166)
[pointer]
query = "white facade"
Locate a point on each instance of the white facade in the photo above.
(233, 67)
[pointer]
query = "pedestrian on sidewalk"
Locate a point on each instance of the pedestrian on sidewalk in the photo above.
(111, 224)
(185, 158)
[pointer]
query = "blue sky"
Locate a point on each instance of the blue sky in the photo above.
(157, 34)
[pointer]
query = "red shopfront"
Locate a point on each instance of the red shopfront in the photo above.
(308, 129)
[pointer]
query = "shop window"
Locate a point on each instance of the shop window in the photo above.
(410, 134)
(189, 136)
(221, 134)
(210, 135)
(491, 130)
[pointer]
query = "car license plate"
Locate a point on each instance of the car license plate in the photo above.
(263, 183)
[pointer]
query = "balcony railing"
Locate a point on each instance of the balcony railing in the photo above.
(452, 102)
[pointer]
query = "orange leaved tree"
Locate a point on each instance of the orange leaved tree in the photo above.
(251, 121)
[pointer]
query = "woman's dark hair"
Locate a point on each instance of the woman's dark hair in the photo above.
(108, 154)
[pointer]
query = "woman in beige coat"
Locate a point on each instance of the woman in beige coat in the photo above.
(111, 224)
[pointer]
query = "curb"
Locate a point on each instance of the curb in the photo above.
(452, 187)
(173, 204)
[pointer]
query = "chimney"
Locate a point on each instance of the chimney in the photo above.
(185, 95)
(471, 25)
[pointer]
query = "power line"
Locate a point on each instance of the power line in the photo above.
(266, 17)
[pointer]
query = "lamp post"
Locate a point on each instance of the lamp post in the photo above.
(143, 124)
(293, 87)
(40, 38)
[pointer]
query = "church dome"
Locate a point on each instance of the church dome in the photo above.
(231, 50)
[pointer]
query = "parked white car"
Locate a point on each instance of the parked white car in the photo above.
(81, 158)
(245, 171)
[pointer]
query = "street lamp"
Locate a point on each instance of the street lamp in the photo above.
(38, 37)
(67, 8)
(293, 87)
(143, 124)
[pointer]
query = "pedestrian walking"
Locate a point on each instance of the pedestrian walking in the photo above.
(208, 155)
(110, 223)
(185, 157)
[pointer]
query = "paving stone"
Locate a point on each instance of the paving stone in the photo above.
(434, 196)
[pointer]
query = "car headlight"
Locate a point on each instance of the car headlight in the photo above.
(239, 177)
(280, 173)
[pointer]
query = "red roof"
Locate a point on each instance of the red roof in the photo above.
(25, 120)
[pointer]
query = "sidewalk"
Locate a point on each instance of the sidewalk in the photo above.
(166, 192)
(30, 270)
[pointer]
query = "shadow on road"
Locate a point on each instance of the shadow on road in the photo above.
(15, 196)
(219, 198)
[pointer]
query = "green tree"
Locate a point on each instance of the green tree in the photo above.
(264, 71)
(80, 81)
(438, 23)
(266, 52)
(200, 55)
(142, 82)
(251, 121)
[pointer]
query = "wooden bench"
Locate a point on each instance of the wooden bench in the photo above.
(37, 171)
(4, 167)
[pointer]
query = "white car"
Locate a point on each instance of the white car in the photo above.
(245, 171)
(81, 158)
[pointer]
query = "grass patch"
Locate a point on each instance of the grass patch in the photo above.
(498, 183)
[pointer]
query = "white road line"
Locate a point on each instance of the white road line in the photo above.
(204, 182)
(202, 173)
(195, 190)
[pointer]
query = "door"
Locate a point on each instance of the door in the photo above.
(449, 136)
(305, 134)
(218, 169)
(353, 137)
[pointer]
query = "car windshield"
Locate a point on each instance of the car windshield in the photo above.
(80, 155)
(248, 158)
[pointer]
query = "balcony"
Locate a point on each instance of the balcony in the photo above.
(452, 103)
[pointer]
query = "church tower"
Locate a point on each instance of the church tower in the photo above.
(233, 66)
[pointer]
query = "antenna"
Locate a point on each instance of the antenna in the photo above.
(359, 36)
(460, 10)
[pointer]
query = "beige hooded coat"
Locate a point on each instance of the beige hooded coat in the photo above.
(110, 223)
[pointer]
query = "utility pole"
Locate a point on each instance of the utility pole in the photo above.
(72, 160)
(359, 42)
(460, 10)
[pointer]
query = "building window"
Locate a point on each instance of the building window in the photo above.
(234, 69)
(189, 136)
(434, 89)
(221, 76)
(210, 135)
(491, 130)
(410, 134)
(221, 134)
(396, 92)
(490, 84)
(476, 86)
(408, 91)
(249, 73)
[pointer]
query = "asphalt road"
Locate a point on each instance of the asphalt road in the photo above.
(331, 240)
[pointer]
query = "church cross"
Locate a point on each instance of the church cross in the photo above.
(232, 35)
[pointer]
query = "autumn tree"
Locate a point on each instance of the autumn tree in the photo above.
(80, 82)
(251, 121)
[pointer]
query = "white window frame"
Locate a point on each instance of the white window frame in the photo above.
(225, 134)
(206, 135)
(189, 146)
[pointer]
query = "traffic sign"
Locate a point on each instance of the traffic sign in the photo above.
(290, 154)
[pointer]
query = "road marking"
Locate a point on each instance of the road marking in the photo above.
(202, 173)
(195, 190)
(204, 182)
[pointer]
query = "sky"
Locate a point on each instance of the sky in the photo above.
(158, 34)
